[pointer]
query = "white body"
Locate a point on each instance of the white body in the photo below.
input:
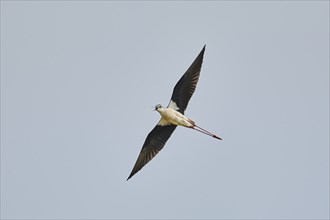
(170, 116)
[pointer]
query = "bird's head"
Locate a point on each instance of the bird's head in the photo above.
(159, 106)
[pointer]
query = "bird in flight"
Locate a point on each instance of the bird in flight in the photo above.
(172, 116)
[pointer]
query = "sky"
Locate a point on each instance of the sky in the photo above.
(79, 80)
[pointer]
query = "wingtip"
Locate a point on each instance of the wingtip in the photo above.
(202, 51)
(129, 177)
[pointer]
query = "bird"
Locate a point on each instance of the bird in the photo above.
(172, 116)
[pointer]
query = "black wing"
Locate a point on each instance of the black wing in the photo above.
(186, 86)
(154, 142)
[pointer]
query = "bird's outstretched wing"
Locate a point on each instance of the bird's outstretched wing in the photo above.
(186, 86)
(154, 142)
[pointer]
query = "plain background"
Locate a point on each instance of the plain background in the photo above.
(79, 80)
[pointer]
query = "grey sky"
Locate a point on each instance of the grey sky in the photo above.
(79, 78)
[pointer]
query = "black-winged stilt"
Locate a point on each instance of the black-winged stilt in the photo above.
(172, 116)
